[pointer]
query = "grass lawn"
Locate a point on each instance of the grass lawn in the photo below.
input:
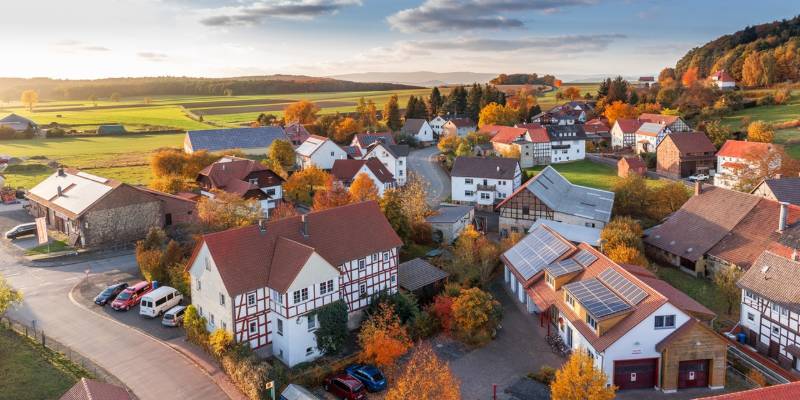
(587, 173)
(53, 247)
(28, 371)
(699, 289)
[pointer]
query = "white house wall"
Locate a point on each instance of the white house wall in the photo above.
(207, 297)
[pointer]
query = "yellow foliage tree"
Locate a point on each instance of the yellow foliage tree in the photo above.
(9, 297)
(219, 342)
(626, 255)
(425, 377)
(475, 316)
(578, 379)
(332, 197)
(281, 151)
(497, 114)
(302, 185)
(303, 111)
(345, 130)
(449, 143)
(363, 188)
(29, 98)
(169, 184)
(383, 338)
(227, 210)
(760, 131)
(618, 109)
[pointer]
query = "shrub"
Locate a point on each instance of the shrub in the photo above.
(249, 374)
(27, 169)
(424, 326)
(56, 133)
(782, 96)
(766, 100)
(332, 332)
(476, 314)
(545, 375)
(195, 327)
(404, 305)
(219, 342)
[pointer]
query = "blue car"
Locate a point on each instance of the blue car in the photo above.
(369, 375)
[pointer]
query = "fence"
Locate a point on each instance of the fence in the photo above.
(30, 331)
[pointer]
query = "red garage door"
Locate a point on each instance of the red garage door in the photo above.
(635, 374)
(692, 373)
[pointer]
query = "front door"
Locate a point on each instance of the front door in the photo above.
(693, 373)
(774, 350)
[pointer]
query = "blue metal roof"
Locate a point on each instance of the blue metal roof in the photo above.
(235, 138)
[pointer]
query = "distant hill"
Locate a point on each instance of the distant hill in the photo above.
(419, 78)
(773, 46)
(11, 88)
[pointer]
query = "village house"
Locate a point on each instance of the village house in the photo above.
(649, 135)
(718, 228)
(775, 392)
(737, 156)
(570, 113)
(346, 171)
(640, 331)
(92, 211)
(597, 130)
(685, 154)
(644, 82)
(531, 142)
(623, 133)
(252, 141)
(437, 126)
(549, 195)
(319, 151)
(264, 283)
(449, 221)
(780, 189)
(419, 129)
(673, 122)
(393, 156)
(363, 140)
(92, 389)
(243, 177)
(459, 126)
(484, 181)
(567, 143)
(629, 165)
(19, 123)
(296, 133)
(722, 80)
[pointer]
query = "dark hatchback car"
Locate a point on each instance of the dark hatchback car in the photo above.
(344, 386)
(110, 293)
(21, 230)
(369, 375)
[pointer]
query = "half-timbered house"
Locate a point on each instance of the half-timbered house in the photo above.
(262, 283)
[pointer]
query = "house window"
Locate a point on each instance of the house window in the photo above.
(253, 181)
(469, 193)
(526, 210)
(251, 299)
(312, 322)
(271, 192)
(569, 300)
(362, 289)
(300, 295)
(332, 154)
(776, 330)
(211, 318)
(326, 287)
(309, 351)
(221, 299)
(665, 322)
(589, 224)
(280, 327)
(199, 286)
(362, 265)
(591, 322)
(784, 311)
(550, 281)
(751, 317)
(253, 327)
(468, 181)
(400, 172)
(385, 256)
(208, 264)
(394, 278)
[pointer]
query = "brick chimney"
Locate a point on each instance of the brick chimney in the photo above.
(784, 215)
(262, 225)
(698, 187)
(304, 228)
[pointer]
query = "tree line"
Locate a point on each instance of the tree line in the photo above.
(524, 79)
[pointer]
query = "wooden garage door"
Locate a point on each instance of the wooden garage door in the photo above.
(693, 373)
(635, 374)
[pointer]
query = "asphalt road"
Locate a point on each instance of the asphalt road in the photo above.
(423, 163)
(150, 368)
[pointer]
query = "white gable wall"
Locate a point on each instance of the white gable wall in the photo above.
(425, 133)
(206, 297)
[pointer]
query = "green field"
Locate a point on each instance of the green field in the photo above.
(586, 173)
(774, 114)
(29, 372)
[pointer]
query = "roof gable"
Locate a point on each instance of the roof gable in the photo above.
(743, 149)
(73, 191)
(690, 143)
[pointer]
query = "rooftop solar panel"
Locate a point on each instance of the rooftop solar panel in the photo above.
(535, 251)
(620, 284)
(598, 300)
(563, 267)
(585, 258)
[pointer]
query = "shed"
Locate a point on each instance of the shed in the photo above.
(449, 221)
(420, 277)
(626, 165)
(106, 130)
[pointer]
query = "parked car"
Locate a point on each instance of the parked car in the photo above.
(110, 293)
(159, 300)
(174, 316)
(345, 387)
(297, 392)
(130, 297)
(699, 177)
(21, 230)
(369, 375)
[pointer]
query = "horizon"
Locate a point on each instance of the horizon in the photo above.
(236, 38)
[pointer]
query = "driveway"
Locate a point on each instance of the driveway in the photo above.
(149, 367)
(423, 163)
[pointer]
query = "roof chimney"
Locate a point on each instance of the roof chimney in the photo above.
(262, 225)
(61, 171)
(698, 187)
(783, 216)
(60, 192)
(498, 168)
(304, 228)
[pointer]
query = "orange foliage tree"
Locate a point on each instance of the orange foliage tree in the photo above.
(425, 377)
(345, 130)
(302, 185)
(333, 196)
(363, 188)
(383, 338)
(571, 93)
(690, 76)
(442, 308)
(282, 210)
(303, 111)
(618, 109)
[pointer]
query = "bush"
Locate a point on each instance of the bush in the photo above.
(27, 169)
(249, 374)
(219, 342)
(195, 327)
(424, 326)
(56, 133)
(782, 96)
(404, 304)
(332, 332)
(545, 375)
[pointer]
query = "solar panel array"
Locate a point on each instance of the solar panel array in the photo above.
(535, 251)
(563, 267)
(627, 289)
(585, 258)
(596, 298)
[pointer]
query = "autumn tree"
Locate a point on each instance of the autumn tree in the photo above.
(282, 152)
(690, 77)
(442, 308)
(333, 196)
(474, 257)
(391, 114)
(630, 195)
(759, 69)
(666, 75)
(413, 198)
(169, 184)
(345, 130)
(303, 112)
(9, 297)
(579, 379)
(476, 315)
(226, 211)
(496, 114)
(363, 188)
(392, 206)
(725, 279)
(619, 109)
(448, 144)
(666, 199)
(627, 255)
(717, 132)
(622, 241)
(383, 339)
(425, 377)
(571, 93)
(283, 210)
(29, 98)
(763, 163)
(760, 131)
(302, 185)
(435, 101)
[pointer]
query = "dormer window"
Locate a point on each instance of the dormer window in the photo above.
(253, 181)
(550, 281)
(569, 299)
(591, 322)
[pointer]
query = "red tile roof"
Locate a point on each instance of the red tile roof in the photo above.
(248, 258)
(722, 76)
(509, 134)
(229, 174)
(628, 125)
(743, 149)
(658, 118)
(346, 170)
(785, 391)
(462, 122)
(90, 389)
(634, 162)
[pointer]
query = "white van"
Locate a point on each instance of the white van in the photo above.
(159, 300)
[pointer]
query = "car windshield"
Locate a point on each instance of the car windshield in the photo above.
(375, 375)
(108, 291)
(168, 316)
(124, 295)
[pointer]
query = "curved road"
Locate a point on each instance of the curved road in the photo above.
(149, 367)
(423, 163)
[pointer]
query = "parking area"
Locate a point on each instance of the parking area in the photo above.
(12, 215)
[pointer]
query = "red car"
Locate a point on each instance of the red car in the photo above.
(346, 387)
(130, 297)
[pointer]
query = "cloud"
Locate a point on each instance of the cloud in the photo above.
(256, 12)
(462, 15)
(73, 46)
(152, 56)
(569, 44)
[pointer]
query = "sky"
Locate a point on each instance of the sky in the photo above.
(217, 38)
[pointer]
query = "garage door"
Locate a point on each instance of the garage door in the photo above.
(635, 374)
(693, 373)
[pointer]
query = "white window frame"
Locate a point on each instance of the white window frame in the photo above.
(222, 299)
(252, 324)
(312, 323)
(251, 299)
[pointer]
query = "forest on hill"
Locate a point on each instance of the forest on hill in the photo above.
(10, 88)
(758, 55)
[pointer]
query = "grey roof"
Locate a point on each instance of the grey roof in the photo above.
(566, 132)
(399, 150)
(418, 273)
(14, 118)
(412, 126)
(236, 138)
(490, 168)
(573, 233)
(110, 130)
(785, 189)
(774, 277)
(449, 214)
(561, 195)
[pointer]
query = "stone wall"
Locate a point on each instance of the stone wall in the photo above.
(121, 224)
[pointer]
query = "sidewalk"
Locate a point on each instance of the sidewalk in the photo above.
(205, 362)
